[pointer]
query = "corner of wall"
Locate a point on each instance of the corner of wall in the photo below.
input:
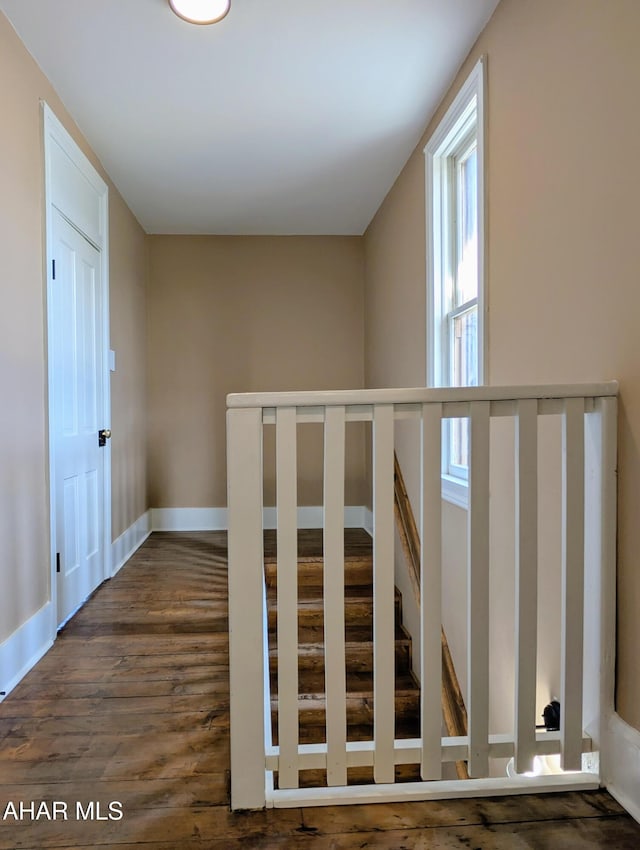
(621, 764)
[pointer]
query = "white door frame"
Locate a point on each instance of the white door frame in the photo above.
(62, 175)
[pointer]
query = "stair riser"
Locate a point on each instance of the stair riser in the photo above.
(358, 660)
(307, 592)
(357, 612)
(312, 618)
(315, 634)
(357, 573)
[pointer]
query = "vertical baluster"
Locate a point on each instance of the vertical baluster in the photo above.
(287, 585)
(599, 574)
(606, 559)
(246, 578)
(431, 591)
(334, 621)
(383, 595)
(478, 589)
(526, 619)
(572, 583)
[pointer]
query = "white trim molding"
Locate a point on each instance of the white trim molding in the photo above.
(462, 127)
(405, 792)
(130, 541)
(215, 519)
(358, 402)
(67, 171)
(368, 521)
(471, 97)
(188, 519)
(25, 647)
(621, 764)
(455, 491)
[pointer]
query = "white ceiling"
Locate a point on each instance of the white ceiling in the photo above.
(288, 117)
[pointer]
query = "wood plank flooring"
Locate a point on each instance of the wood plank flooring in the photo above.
(132, 705)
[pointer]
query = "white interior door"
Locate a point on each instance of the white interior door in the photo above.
(76, 348)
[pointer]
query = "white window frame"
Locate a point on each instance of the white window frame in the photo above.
(467, 110)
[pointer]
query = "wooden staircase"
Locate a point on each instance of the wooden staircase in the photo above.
(359, 651)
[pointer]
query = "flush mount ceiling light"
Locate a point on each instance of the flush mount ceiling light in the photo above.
(201, 11)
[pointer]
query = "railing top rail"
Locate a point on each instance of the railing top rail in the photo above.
(418, 395)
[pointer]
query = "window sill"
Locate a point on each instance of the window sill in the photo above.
(455, 491)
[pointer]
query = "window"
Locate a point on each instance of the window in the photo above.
(455, 261)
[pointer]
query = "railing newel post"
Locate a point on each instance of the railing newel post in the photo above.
(246, 607)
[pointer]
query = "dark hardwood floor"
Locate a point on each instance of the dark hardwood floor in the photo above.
(132, 706)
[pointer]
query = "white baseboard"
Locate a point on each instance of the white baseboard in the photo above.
(24, 648)
(368, 521)
(215, 519)
(621, 752)
(188, 519)
(312, 517)
(124, 546)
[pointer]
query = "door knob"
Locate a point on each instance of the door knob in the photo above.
(103, 436)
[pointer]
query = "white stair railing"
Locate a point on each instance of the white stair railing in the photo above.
(588, 414)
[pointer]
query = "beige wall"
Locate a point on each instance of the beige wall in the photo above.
(24, 512)
(563, 236)
(243, 314)
(128, 272)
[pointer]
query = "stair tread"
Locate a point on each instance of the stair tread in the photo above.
(313, 701)
(358, 657)
(310, 592)
(358, 545)
(406, 726)
(353, 633)
(364, 557)
(317, 601)
(359, 685)
(310, 573)
(358, 611)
